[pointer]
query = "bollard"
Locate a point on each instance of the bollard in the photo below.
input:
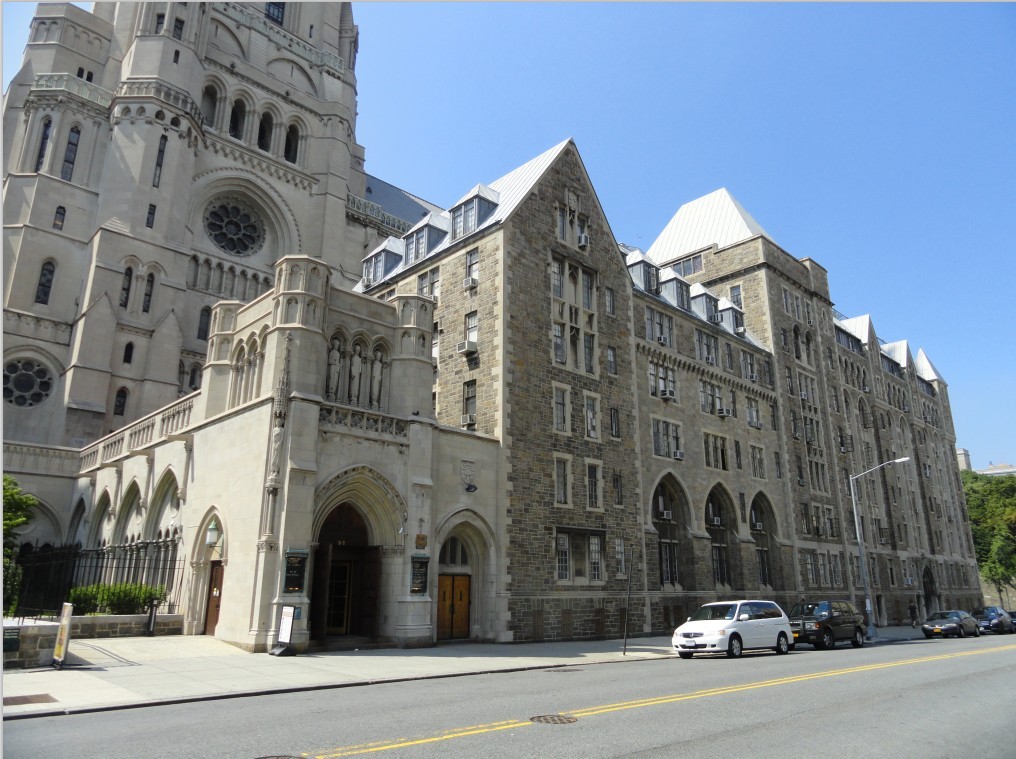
(151, 618)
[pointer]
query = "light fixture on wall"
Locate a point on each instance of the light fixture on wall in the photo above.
(402, 527)
(213, 534)
(470, 487)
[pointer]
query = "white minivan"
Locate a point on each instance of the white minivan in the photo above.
(732, 627)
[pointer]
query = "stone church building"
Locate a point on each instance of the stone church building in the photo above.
(227, 345)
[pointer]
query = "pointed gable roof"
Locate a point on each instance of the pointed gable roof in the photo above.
(925, 369)
(514, 186)
(714, 219)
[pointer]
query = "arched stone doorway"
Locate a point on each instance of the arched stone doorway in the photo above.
(671, 517)
(454, 588)
(765, 532)
(725, 555)
(930, 591)
(347, 578)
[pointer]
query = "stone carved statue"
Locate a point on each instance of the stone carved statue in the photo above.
(375, 381)
(334, 366)
(355, 367)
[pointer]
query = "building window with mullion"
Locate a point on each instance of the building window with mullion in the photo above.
(70, 154)
(158, 161)
(469, 398)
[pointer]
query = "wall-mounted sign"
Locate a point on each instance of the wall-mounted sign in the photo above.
(419, 581)
(12, 638)
(296, 571)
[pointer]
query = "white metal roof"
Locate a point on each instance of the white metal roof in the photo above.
(714, 219)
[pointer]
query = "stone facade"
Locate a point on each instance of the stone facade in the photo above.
(408, 423)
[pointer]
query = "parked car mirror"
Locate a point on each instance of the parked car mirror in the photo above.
(744, 618)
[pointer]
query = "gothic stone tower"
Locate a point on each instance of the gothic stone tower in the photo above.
(159, 157)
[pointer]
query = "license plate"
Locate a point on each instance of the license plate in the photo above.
(795, 635)
(938, 629)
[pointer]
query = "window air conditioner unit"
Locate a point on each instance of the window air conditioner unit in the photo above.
(753, 378)
(740, 330)
(668, 515)
(800, 480)
(583, 241)
(865, 389)
(723, 412)
(843, 449)
(468, 420)
(466, 347)
(679, 455)
(804, 395)
(469, 283)
(711, 360)
(667, 394)
(716, 318)
(662, 340)
(716, 521)
(757, 527)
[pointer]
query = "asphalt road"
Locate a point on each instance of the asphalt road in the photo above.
(937, 698)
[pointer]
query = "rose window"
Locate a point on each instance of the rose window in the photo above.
(234, 228)
(26, 382)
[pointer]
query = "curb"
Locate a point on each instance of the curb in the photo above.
(304, 689)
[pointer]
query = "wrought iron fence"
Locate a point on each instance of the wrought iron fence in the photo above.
(116, 580)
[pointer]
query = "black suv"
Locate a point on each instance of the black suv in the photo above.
(822, 623)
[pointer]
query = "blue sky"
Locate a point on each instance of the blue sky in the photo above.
(877, 139)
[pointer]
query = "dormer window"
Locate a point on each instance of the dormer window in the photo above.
(464, 217)
(416, 245)
(373, 269)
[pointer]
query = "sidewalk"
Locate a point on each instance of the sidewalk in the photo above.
(121, 673)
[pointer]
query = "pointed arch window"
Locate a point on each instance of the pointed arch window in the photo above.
(47, 127)
(265, 131)
(120, 405)
(203, 321)
(70, 154)
(45, 283)
(146, 304)
(58, 217)
(237, 119)
(158, 161)
(128, 353)
(292, 143)
(125, 287)
(209, 100)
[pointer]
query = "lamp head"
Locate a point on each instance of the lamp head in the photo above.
(900, 461)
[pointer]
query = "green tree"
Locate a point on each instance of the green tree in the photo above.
(18, 507)
(991, 504)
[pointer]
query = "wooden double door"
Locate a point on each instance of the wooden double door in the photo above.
(452, 606)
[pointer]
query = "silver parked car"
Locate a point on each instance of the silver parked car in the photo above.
(952, 622)
(732, 627)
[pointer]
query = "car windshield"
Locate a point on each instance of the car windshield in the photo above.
(810, 609)
(983, 612)
(942, 616)
(715, 611)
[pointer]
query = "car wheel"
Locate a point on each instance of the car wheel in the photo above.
(858, 640)
(828, 641)
(961, 633)
(782, 646)
(977, 632)
(734, 648)
(684, 654)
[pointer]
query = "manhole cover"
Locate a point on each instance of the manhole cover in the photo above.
(554, 719)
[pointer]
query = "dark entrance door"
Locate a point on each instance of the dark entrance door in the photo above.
(338, 597)
(452, 606)
(214, 597)
(347, 578)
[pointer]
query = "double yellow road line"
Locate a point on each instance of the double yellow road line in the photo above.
(591, 711)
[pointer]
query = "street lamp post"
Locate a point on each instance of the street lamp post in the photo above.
(869, 608)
